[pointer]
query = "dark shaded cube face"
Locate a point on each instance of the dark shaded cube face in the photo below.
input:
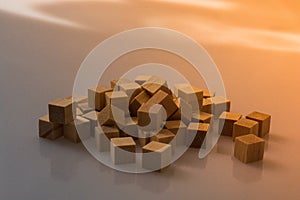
(60, 115)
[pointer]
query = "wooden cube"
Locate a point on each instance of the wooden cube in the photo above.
(208, 94)
(156, 156)
(192, 95)
(202, 117)
(155, 84)
(60, 111)
(103, 136)
(177, 114)
(164, 136)
(196, 133)
(96, 97)
(178, 128)
(120, 99)
(115, 84)
(264, 121)
(131, 90)
(49, 130)
(92, 116)
(207, 106)
(79, 125)
(228, 119)
(123, 150)
(244, 127)
(144, 137)
(136, 103)
(220, 105)
(249, 148)
(141, 79)
(108, 96)
(186, 111)
(105, 117)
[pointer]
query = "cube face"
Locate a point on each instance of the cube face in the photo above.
(123, 150)
(105, 117)
(141, 79)
(191, 94)
(208, 94)
(155, 84)
(163, 136)
(49, 130)
(156, 155)
(244, 127)
(96, 97)
(202, 117)
(249, 148)
(264, 121)
(60, 111)
(196, 133)
(228, 119)
(207, 106)
(103, 136)
(137, 102)
(131, 89)
(220, 105)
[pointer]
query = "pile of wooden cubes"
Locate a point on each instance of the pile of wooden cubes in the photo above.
(146, 114)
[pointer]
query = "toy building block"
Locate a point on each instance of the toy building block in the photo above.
(196, 133)
(79, 125)
(249, 148)
(179, 86)
(164, 136)
(155, 84)
(115, 84)
(105, 117)
(60, 111)
(202, 117)
(186, 111)
(191, 95)
(244, 127)
(179, 129)
(208, 94)
(156, 156)
(92, 116)
(144, 137)
(131, 89)
(165, 100)
(122, 150)
(220, 105)
(49, 129)
(120, 99)
(141, 79)
(119, 116)
(227, 119)
(84, 107)
(177, 114)
(97, 97)
(103, 136)
(264, 121)
(136, 103)
(207, 106)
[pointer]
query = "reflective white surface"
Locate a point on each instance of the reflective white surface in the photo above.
(255, 44)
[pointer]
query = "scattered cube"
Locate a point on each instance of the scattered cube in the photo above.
(60, 111)
(105, 117)
(249, 148)
(228, 119)
(103, 136)
(142, 79)
(96, 97)
(164, 136)
(144, 137)
(49, 130)
(79, 125)
(122, 150)
(120, 99)
(92, 116)
(196, 133)
(202, 117)
(156, 156)
(264, 121)
(220, 105)
(136, 103)
(178, 128)
(207, 106)
(192, 95)
(208, 94)
(244, 127)
(155, 84)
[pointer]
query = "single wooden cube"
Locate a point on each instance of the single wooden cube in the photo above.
(131, 90)
(105, 117)
(178, 128)
(208, 94)
(202, 117)
(103, 136)
(79, 125)
(164, 136)
(249, 148)
(141, 79)
(228, 119)
(155, 84)
(156, 156)
(207, 106)
(196, 133)
(244, 127)
(220, 105)
(92, 116)
(115, 84)
(96, 97)
(192, 95)
(136, 103)
(264, 121)
(123, 150)
(49, 130)
(144, 137)
(60, 111)
(120, 99)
